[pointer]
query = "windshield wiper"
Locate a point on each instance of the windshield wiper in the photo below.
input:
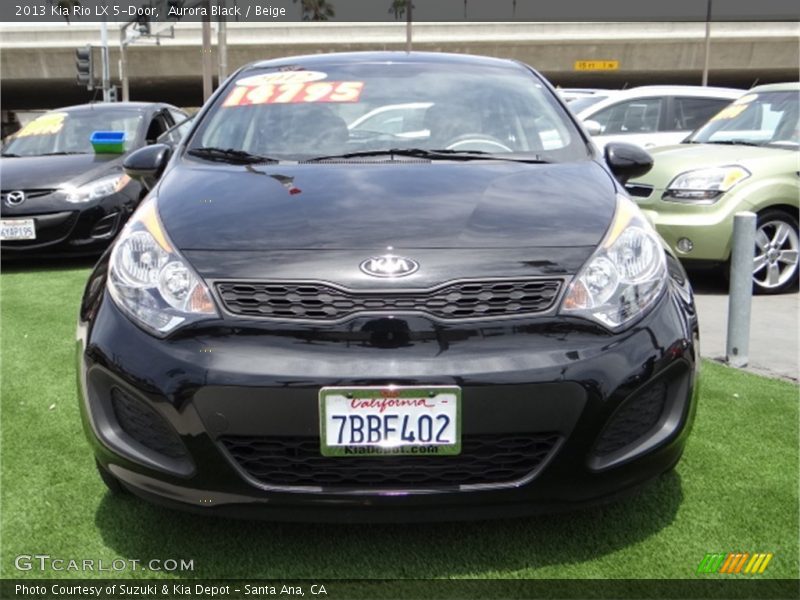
(10, 155)
(732, 142)
(61, 153)
(230, 155)
(437, 154)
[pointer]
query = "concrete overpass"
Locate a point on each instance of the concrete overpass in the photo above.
(38, 70)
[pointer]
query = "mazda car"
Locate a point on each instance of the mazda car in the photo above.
(306, 322)
(62, 193)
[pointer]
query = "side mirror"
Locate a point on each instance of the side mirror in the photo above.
(593, 127)
(627, 161)
(146, 164)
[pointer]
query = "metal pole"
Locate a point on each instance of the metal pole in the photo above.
(708, 43)
(207, 52)
(409, 6)
(123, 65)
(740, 294)
(222, 45)
(105, 58)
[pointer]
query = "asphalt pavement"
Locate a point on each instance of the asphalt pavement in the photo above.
(774, 325)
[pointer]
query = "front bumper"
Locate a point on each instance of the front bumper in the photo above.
(71, 229)
(573, 389)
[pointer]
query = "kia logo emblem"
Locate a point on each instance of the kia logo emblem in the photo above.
(15, 198)
(389, 265)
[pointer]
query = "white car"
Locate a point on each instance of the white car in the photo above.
(650, 116)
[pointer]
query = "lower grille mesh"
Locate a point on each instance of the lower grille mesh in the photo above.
(637, 416)
(460, 300)
(145, 425)
(484, 459)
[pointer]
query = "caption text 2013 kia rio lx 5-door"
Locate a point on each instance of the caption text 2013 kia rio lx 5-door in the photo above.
(451, 313)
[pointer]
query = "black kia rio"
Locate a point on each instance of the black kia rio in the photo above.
(386, 286)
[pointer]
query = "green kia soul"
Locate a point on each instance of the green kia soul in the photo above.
(745, 158)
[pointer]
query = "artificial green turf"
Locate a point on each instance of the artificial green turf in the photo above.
(736, 488)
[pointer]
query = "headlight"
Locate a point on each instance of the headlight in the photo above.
(95, 189)
(704, 186)
(150, 281)
(624, 276)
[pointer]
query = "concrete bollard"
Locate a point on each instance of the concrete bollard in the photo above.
(740, 294)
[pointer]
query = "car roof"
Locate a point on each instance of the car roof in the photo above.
(788, 86)
(386, 56)
(664, 90)
(140, 106)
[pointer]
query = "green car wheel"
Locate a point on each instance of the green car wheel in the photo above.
(775, 265)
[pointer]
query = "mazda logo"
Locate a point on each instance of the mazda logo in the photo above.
(389, 265)
(15, 198)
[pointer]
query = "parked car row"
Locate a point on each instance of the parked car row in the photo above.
(61, 196)
(717, 151)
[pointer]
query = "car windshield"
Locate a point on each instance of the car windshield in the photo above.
(293, 114)
(763, 118)
(68, 132)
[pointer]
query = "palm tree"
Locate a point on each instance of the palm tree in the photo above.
(398, 9)
(65, 6)
(316, 10)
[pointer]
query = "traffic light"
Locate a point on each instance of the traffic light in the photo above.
(84, 62)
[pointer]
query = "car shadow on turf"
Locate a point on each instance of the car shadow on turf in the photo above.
(224, 548)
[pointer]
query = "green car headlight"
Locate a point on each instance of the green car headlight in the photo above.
(704, 186)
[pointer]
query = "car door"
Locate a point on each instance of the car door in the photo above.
(636, 121)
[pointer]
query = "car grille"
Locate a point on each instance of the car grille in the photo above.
(484, 459)
(29, 195)
(460, 300)
(633, 419)
(145, 425)
(639, 190)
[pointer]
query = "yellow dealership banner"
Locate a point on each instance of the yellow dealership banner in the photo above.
(596, 65)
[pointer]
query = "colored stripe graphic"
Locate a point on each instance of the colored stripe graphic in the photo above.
(735, 563)
(710, 563)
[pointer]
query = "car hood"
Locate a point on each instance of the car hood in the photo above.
(373, 207)
(670, 161)
(49, 172)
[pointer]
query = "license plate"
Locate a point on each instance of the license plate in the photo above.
(391, 420)
(17, 229)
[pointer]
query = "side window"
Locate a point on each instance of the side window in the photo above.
(691, 113)
(182, 124)
(158, 125)
(178, 116)
(633, 116)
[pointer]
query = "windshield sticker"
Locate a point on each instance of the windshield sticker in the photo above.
(48, 124)
(282, 77)
(746, 99)
(294, 93)
(729, 112)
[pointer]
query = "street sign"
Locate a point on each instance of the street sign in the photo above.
(596, 65)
